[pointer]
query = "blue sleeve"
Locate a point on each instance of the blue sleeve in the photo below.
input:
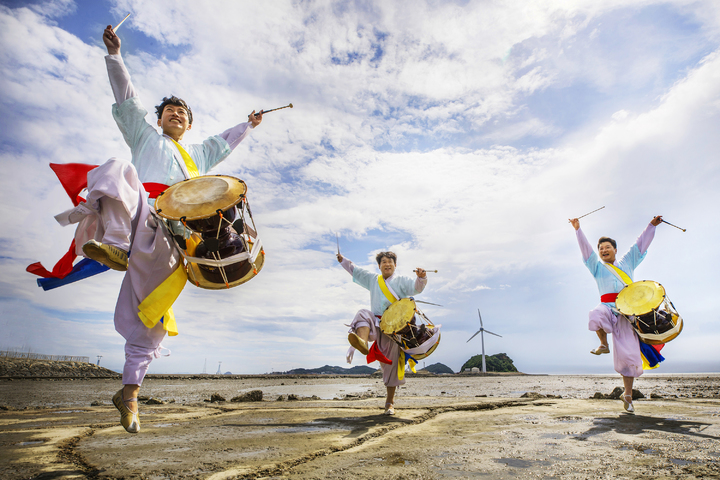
(211, 152)
(130, 119)
(364, 278)
(632, 259)
(593, 263)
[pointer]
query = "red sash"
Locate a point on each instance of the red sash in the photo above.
(608, 297)
(73, 177)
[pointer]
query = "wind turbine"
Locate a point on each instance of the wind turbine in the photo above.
(482, 339)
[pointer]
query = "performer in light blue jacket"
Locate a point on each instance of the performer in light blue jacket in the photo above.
(365, 327)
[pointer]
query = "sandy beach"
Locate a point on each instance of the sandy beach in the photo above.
(445, 427)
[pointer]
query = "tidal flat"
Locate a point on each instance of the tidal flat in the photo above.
(455, 426)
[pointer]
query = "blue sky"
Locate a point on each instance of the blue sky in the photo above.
(460, 135)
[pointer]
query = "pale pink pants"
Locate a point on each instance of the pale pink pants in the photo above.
(120, 216)
(626, 346)
(391, 350)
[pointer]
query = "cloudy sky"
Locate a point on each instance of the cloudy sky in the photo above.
(461, 135)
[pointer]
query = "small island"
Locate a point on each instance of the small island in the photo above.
(497, 363)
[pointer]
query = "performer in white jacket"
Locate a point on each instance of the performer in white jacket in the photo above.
(116, 218)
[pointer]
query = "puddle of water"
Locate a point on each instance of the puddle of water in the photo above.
(31, 443)
(70, 411)
(164, 425)
(554, 436)
(519, 463)
(569, 419)
(324, 392)
(464, 474)
(678, 461)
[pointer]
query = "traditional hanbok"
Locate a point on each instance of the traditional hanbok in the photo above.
(626, 345)
(401, 287)
(118, 213)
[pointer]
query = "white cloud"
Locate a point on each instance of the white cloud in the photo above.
(399, 150)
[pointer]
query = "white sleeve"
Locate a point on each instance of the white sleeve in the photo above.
(233, 136)
(120, 82)
(348, 265)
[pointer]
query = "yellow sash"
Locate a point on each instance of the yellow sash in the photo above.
(159, 303)
(189, 163)
(385, 290)
(625, 277)
(401, 361)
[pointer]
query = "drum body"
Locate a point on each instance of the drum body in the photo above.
(208, 217)
(649, 310)
(410, 329)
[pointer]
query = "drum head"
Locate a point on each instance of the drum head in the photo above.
(200, 197)
(397, 316)
(639, 298)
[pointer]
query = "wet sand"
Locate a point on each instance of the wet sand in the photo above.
(443, 429)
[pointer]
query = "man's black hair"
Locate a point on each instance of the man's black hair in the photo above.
(173, 100)
(607, 239)
(390, 255)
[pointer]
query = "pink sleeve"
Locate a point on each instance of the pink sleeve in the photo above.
(348, 265)
(585, 246)
(233, 136)
(120, 82)
(420, 284)
(645, 238)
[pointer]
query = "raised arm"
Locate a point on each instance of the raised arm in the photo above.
(120, 82)
(585, 247)
(346, 264)
(646, 237)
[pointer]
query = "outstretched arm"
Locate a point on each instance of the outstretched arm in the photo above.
(421, 280)
(120, 82)
(233, 136)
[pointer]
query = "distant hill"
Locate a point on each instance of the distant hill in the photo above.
(327, 369)
(438, 368)
(499, 362)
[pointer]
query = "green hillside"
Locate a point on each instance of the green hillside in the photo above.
(499, 362)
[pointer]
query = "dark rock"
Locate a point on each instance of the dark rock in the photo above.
(252, 396)
(292, 397)
(155, 401)
(215, 398)
(280, 398)
(655, 395)
(143, 398)
(532, 395)
(96, 404)
(483, 395)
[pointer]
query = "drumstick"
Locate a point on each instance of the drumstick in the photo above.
(578, 218)
(263, 112)
(121, 22)
(427, 271)
(684, 230)
(337, 239)
(427, 303)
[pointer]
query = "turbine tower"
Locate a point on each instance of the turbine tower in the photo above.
(482, 339)
(218, 372)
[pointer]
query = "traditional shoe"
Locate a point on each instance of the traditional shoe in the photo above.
(600, 350)
(389, 410)
(108, 255)
(628, 405)
(359, 344)
(128, 418)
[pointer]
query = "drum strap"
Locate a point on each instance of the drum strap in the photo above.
(619, 274)
(385, 288)
(187, 159)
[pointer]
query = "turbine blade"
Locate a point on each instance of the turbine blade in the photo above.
(491, 333)
(474, 335)
(480, 316)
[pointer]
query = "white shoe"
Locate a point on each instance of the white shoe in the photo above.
(600, 350)
(628, 405)
(389, 410)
